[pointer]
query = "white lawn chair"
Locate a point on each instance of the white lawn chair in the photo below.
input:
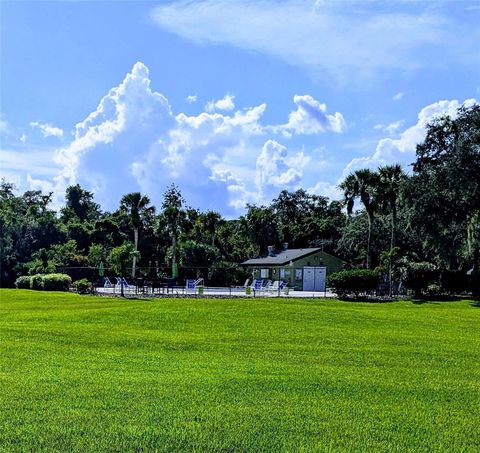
(275, 286)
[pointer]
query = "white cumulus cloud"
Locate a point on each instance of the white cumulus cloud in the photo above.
(221, 160)
(226, 103)
(311, 118)
(402, 149)
(47, 130)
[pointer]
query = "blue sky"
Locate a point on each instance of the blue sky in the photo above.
(232, 101)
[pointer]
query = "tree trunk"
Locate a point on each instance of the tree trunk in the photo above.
(174, 255)
(135, 241)
(392, 246)
(370, 228)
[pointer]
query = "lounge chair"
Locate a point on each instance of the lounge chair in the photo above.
(256, 285)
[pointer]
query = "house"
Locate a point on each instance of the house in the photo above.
(303, 269)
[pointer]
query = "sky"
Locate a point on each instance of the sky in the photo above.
(231, 101)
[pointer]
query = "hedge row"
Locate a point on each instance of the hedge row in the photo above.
(355, 281)
(423, 279)
(47, 282)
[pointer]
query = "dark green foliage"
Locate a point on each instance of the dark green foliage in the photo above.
(453, 282)
(193, 254)
(83, 286)
(36, 282)
(80, 206)
(444, 192)
(304, 219)
(224, 273)
(353, 282)
(56, 282)
(419, 276)
(475, 284)
(23, 282)
(47, 282)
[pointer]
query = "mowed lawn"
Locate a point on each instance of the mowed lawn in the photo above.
(82, 373)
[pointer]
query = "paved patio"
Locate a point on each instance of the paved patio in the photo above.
(210, 291)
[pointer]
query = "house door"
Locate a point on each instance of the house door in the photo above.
(314, 278)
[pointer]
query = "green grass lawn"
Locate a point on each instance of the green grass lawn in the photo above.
(81, 373)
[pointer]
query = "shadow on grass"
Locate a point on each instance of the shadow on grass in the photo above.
(437, 299)
(370, 299)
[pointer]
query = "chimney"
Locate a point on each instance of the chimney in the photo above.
(271, 249)
(285, 246)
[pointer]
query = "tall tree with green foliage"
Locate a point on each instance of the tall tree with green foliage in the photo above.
(173, 216)
(262, 227)
(363, 184)
(137, 207)
(391, 178)
(79, 205)
(444, 191)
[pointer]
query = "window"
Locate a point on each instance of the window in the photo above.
(263, 273)
(282, 273)
(298, 274)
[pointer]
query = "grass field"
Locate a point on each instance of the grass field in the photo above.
(99, 374)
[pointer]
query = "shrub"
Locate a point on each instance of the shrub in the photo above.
(453, 282)
(356, 281)
(83, 286)
(56, 282)
(23, 282)
(475, 284)
(36, 282)
(419, 276)
(433, 290)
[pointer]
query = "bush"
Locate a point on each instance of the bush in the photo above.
(47, 282)
(56, 282)
(36, 282)
(356, 281)
(453, 282)
(433, 290)
(475, 284)
(83, 286)
(419, 276)
(23, 282)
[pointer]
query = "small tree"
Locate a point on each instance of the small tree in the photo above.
(119, 259)
(418, 276)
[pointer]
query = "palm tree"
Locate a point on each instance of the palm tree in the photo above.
(362, 184)
(137, 207)
(174, 216)
(211, 220)
(391, 177)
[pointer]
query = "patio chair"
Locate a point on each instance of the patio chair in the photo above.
(275, 286)
(257, 284)
(266, 284)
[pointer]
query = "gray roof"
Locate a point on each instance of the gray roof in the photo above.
(283, 257)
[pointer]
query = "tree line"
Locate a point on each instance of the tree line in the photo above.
(386, 220)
